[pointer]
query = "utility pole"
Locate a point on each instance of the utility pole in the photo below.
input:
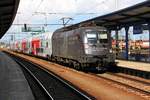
(66, 20)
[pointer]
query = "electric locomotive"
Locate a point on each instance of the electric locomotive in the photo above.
(83, 47)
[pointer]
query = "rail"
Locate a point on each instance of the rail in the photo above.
(53, 86)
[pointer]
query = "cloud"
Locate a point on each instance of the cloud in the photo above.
(27, 9)
(78, 9)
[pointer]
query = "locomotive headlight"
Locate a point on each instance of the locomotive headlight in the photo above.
(86, 46)
(110, 50)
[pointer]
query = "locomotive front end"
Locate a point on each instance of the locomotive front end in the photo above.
(97, 47)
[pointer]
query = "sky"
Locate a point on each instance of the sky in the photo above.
(51, 11)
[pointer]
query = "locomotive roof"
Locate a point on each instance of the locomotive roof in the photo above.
(137, 14)
(69, 28)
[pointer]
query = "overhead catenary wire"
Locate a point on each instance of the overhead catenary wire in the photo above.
(37, 12)
(39, 5)
(39, 24)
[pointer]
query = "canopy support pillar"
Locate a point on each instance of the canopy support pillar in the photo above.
(149, 38)
(126, 41)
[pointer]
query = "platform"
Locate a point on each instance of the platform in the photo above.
(134, 65)
(13, 85)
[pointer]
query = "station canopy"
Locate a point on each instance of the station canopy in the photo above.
(8, 9)
(137, 14)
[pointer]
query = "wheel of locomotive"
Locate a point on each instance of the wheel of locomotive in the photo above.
(49, 58)
(55, 60)
(58, 60)
(76, 65)
(83, 67)
(70, 64)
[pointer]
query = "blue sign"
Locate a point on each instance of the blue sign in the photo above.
(137, 29)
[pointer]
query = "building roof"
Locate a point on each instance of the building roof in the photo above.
(8, 9)
(136, 14)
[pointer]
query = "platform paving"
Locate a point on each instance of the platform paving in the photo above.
(13, 85)
(134, 65)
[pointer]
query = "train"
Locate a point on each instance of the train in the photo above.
(81, 48)
(137, 44)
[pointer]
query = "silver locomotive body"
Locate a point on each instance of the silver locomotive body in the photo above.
(83, 47)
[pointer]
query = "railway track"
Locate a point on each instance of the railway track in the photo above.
(48, 86)
(133, 72)
(132, 78)
(127, 71)
(139, 87)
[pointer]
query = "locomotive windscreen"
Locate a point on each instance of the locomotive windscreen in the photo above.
(102, 37)
(92, 37)
(97, 37)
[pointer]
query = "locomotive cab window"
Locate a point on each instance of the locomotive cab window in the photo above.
(94, 37)
(102, 36)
